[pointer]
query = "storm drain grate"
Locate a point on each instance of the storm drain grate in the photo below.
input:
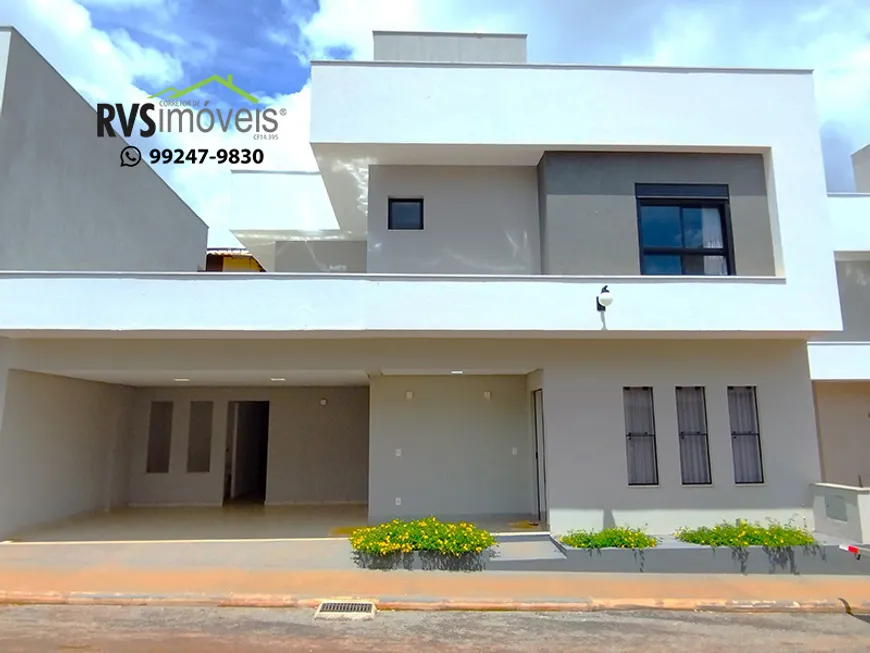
(345, 610)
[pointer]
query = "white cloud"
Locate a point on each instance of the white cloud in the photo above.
(350, 23)
(831, 38)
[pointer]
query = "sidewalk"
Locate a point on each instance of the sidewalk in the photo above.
(417, 590)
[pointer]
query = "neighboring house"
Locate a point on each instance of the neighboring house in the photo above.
(231, 259)
(67, 204)
(427, 338)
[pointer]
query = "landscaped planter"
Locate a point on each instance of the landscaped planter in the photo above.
(423, 560)
(695, 559)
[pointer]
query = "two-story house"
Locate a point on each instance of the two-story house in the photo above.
(579, 295)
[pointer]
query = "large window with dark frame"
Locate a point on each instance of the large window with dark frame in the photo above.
(745, 435)
(405, 214)
(640, 436)
(684, 229)
(694, 443)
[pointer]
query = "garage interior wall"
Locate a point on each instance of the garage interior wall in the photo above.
(449, 450)
(63, 449)
(318, 452)
(843, 414)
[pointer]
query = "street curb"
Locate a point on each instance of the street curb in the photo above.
(436, 605)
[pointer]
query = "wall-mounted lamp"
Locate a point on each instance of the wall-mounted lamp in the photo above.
(323, 402)
(604, 299)
(409, 395)
(487, 395)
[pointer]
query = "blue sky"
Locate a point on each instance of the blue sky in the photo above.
(117, 49)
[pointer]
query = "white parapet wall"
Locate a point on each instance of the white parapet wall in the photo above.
(842, 511)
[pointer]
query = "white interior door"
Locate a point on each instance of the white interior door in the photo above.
(540, 459)
(230, 453)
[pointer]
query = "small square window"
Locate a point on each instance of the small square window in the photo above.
(406, 214)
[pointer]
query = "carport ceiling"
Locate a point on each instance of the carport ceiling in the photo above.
(172, 378)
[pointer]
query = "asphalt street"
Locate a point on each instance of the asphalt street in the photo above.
(33, 629)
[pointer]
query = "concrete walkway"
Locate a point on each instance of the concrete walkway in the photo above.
(268, 575)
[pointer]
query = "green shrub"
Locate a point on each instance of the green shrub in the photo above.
(740, 534)
(620, 537)
(428, 534)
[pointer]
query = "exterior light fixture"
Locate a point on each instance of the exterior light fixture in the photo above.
(323, 402)
(457, 372)
(181, 380)
(278, 379)
(604, 299)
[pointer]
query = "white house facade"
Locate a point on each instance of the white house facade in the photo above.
(576, 295)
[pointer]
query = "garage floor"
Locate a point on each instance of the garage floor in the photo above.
(242, 522)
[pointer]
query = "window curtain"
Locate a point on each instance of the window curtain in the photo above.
(745, 438)
(640, 436)
(692, 424)
(711, 234)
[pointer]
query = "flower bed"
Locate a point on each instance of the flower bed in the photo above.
(741, 534)
(617, 537)
(429, 543)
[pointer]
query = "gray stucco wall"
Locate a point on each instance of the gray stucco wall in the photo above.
(317, 453)
(861, 166)
(853, 279)
(590, 212)
(67, 204)
(477, 220)
(460, 453)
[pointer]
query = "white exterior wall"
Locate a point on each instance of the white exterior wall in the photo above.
(62, 449)
(67, 204)
(298, 305)
(850, 224)
(477, 220)
(317, 454)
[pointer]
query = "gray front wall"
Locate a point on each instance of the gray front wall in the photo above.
(448, 449)
(853, 278)
(589, 210)
(477, 220)
(67, 204)
(319, 453)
